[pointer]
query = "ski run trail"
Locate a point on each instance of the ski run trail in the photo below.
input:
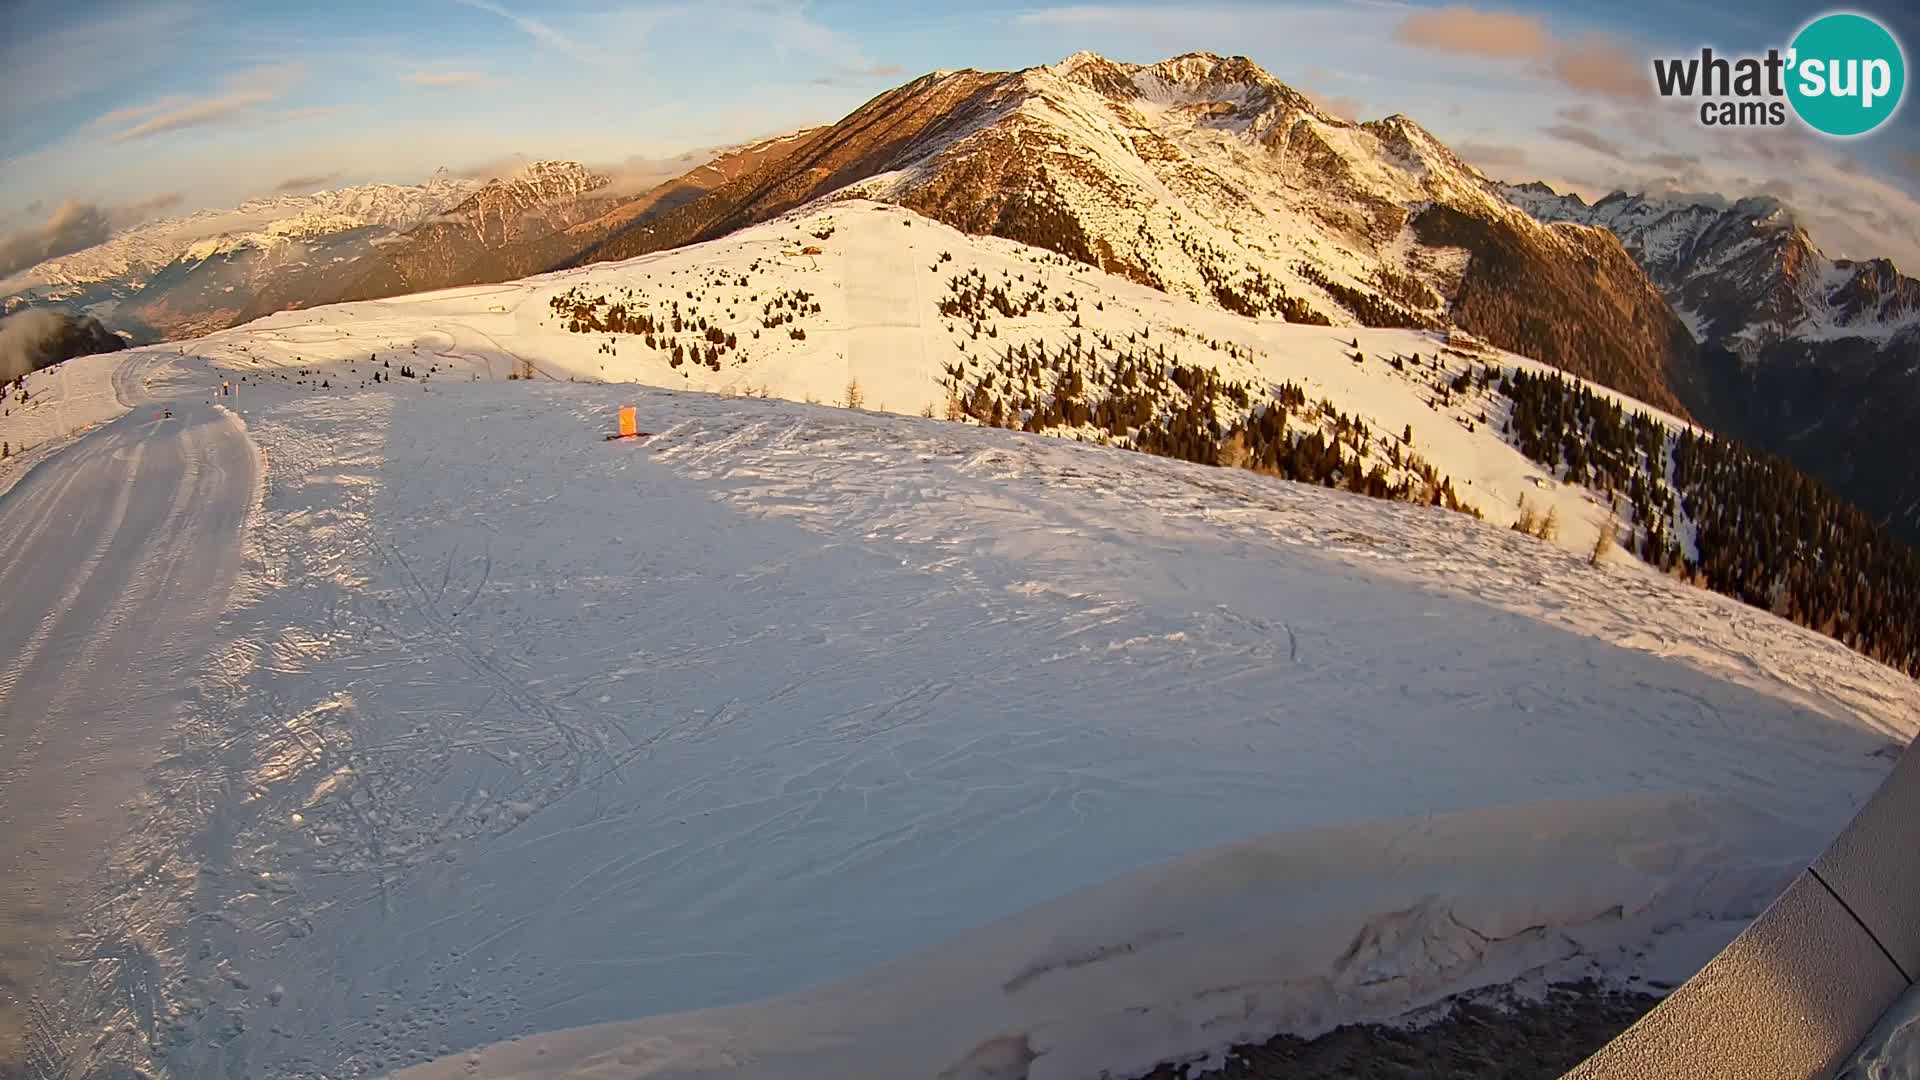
(802, 741)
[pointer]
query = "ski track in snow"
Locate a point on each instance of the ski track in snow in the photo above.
(119, 551)
(514, 729)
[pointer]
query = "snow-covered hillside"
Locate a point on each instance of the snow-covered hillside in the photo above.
(538, 730)
(908, 314)
(62, 402)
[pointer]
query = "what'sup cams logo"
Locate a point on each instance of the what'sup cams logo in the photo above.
(1843, 75)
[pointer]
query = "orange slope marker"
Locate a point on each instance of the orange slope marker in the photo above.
(629, 425)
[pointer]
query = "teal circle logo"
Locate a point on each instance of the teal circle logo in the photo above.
(1847, 74)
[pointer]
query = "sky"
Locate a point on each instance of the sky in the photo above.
(111, 113)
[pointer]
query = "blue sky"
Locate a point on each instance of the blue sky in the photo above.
(143, 108)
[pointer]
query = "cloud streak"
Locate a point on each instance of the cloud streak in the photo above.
(533, 28)
(440, 80)
(1593, 64)
(1339, 106)
(1462, 29)
(1491, 155)
(67, 63)
(1586, 137)
(305, 183)
(243, 92)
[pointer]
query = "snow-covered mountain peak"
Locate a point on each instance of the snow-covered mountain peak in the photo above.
(550, 179)
(1229, 92)
(1206, 178)
(1743, 272)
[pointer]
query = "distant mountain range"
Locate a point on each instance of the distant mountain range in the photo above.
(181, 276)
(1202, 176)
(1813, 358)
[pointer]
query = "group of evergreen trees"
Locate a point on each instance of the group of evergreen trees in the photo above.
(1774, 537)
(1370, 309)
(584, 311)
(1142, 396)
(1764, 532)
(972, 297)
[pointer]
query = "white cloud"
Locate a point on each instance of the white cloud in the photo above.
(74, 225)
(1463, 29)
(792, 32)
(1343, 106)
(1850, 211)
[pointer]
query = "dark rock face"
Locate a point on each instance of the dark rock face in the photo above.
(33, 339)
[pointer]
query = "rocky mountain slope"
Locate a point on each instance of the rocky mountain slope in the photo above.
(486, 236)
(1205, 177)
(1811, 357)
(1744, 274)
(1201, 176)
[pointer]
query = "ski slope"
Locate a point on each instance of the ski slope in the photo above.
(116, 557)
(510, 730)
(68, 400)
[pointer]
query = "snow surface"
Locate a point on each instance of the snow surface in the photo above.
(116, 557)
(68, 400)
(1296, 931)
(1892, 1050)
(540, 731)
(905, 743)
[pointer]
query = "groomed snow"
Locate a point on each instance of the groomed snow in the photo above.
(539, 731)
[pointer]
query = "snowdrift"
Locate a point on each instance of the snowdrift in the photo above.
(1295, 931)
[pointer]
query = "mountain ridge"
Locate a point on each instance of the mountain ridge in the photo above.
(1206, 177)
